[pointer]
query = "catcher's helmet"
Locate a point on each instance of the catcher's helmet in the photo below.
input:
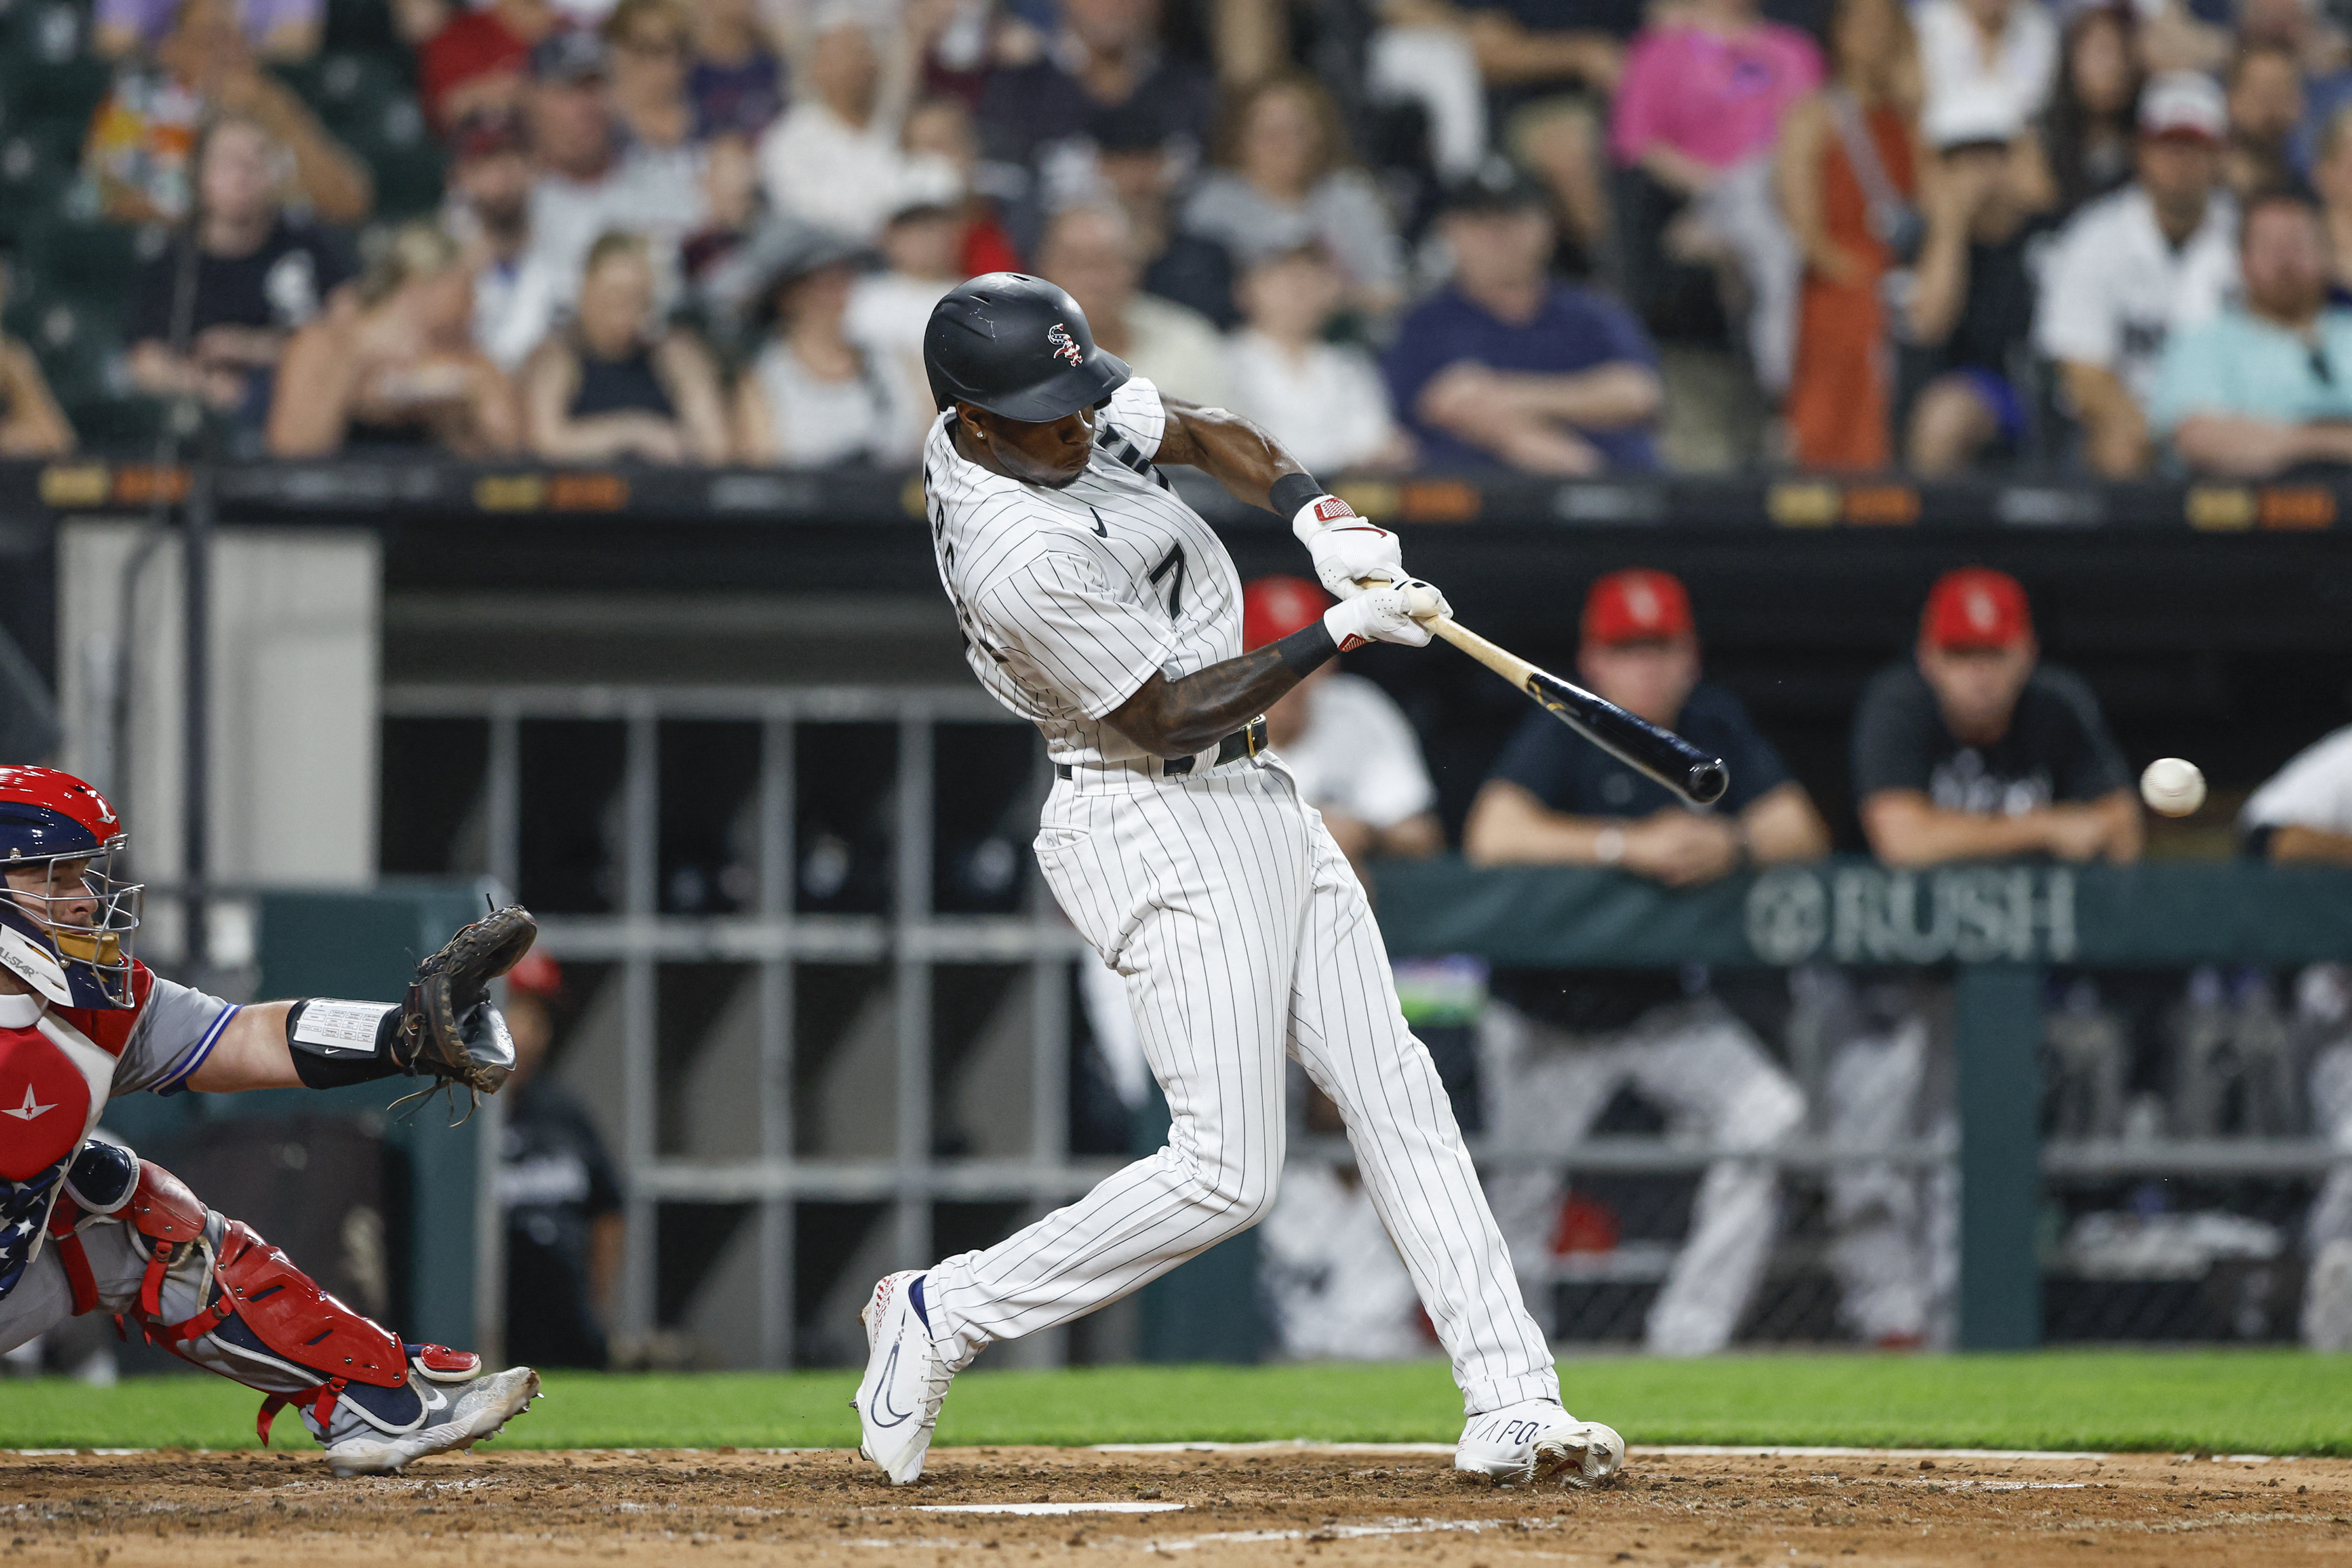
(1018, 346)
(66, 930)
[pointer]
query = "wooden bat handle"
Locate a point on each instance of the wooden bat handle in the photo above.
(1502, 661)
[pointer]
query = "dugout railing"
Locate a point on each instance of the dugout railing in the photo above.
(803, 1091)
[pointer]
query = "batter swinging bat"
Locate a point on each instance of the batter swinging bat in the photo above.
(1635, 742)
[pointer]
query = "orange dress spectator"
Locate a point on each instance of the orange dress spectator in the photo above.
(1839, 402)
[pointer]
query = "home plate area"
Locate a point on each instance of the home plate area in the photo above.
(1326, 1506)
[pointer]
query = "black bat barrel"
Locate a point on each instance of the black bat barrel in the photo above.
(1641, 745)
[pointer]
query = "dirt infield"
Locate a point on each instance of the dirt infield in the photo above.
(1327, 1508)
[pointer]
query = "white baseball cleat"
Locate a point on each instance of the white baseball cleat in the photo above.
(455, 1414)
(899, 1399)
(1535, 1440)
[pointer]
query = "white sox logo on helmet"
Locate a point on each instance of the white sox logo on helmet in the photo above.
(1065, 346)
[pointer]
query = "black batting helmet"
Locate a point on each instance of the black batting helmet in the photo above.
(1018, 346)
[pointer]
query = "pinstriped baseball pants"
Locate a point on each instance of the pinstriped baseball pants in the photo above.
(1244, 936)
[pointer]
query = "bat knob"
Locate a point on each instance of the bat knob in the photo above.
(1708, 781)
(1421, 603)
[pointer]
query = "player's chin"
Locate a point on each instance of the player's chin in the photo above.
(1059, 478)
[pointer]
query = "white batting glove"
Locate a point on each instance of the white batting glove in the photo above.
(1347, 550)
(1397, 611)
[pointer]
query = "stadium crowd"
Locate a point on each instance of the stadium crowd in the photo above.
(1558, 237)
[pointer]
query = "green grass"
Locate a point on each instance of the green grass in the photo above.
(2275, 1402)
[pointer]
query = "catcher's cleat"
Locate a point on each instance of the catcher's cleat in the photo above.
(458, 1411)
(899, 1399)
(447, 1027)
(1535, 1440)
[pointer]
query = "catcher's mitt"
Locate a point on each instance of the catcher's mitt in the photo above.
(447, 1027)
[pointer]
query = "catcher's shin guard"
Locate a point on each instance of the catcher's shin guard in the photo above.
(213, 1292)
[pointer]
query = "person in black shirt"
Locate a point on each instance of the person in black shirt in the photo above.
(1969, 751)
(560, 1195)
(1559, 1046)
(259, 276)
(1974, 751)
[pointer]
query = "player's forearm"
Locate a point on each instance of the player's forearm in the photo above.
(1782, 826)
(1227, 448)
(1182, 717)
(2126, 829)
(2294, 844)
(251, 1053)
(1906, 828)
(1509, 826)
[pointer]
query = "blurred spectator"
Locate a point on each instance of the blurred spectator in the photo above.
(835, 159)
(590, 180)
(2265, 103)
(398, 367)
(252, 276)
(1325, 403)
(1105, 57)
(1976, 751)
(1697, 113)
(617, 384)
(1849, 185)
(2089, 128)
(2302, 816)
(1507, 365)
(2151, 259)
(941, 128)
(889, 310)
(2266, 385)
(737, 82)
(1142, 173)
(1092, 252)
(517, 296)
(2003, 48)
(1540, 71)
(31, 423)
(1567, 1042)
(470, 59)
(810, 397)
(278, 29)
(646, 42)
(560, 1192)
(2331, 180)
(1345, 742)
(1969, 315)
(141, 136)
(1283, 181)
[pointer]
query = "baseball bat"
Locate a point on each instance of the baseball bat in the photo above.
(1646, 748)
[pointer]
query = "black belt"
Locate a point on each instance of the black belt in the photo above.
(1246, 742)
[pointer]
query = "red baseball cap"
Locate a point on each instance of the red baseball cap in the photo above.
(1976, 606)
(1274, 607)
(1636, 606)
(536, 973)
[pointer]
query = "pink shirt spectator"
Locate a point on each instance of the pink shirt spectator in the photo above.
(1714, 98)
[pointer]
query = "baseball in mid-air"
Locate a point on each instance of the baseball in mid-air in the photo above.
(2172, 786)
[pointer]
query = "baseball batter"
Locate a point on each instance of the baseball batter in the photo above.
(87, 1225)
(1094, 602)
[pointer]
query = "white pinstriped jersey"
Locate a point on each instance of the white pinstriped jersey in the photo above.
(1069, 600)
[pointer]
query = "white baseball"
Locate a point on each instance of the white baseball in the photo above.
(2172, 787)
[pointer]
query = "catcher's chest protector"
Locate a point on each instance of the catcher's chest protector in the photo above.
(53, 1084)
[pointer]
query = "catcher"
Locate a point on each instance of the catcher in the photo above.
(86, 1224)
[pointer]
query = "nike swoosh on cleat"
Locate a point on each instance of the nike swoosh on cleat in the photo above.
(882, 1396)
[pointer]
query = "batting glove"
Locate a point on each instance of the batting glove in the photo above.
(1347, 550)
(1394, 612)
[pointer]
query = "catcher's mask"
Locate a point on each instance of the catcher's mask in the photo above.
(66, 923)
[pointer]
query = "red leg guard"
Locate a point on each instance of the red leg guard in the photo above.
(259, 1285)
